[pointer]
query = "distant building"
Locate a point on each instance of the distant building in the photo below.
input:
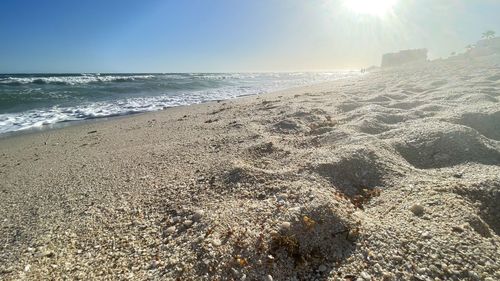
(486, 47)
(404, 57)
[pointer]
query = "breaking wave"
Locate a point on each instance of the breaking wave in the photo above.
(71, 80)
(38, 101)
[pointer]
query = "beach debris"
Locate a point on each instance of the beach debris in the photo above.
(426, 235)
(154, 264)
(47, 253)
(285, 225)
(241, 261)
(417, 209)
(287, 242)
(198, 214)
(353, 234)
(211, 120)
(309, 223)
(216, 242)
(365, 196)
(171, 230)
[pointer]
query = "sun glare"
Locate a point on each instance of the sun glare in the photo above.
(370, 7)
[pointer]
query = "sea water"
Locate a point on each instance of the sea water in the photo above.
(41, 100)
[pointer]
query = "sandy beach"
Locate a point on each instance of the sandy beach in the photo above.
(393, 175)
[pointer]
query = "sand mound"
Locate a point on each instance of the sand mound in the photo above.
(494, 77)
(268, 156)
(348, 106)
(288, 126)
(406, 105)
(486, 124)
(487, 197)
(309, 116)
(354, 168)
(243, 174)
(376, 122)
(332, 136)
(438, 83)
(378, 98)
(266, 149)
(370, 125)
(431, 108)
(438, 144)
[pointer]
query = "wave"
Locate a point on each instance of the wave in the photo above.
(71, 80)
(41, 117)
(36, 106)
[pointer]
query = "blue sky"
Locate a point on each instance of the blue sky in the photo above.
(227, 35)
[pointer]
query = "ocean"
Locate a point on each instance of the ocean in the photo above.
(30, 101)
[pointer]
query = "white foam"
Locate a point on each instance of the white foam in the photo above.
(72, 80)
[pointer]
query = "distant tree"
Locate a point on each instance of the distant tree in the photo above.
(453, 53)
(469, 47)
(488, 34)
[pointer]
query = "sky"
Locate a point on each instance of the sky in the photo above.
(229, 35)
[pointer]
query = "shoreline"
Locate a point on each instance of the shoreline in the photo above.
(392, 175)
(65, 98)
(66, 124)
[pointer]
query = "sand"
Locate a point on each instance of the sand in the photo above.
(393, 175)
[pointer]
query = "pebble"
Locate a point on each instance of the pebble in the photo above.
(187, 223)
(171, 230)
(285, 225)
(417, 210)
(353, 235)
(153, 265)
(388, 275)
(322, 268)
(473, 275)
(434, 268)
(426, 235)
(216, 242)
(7, 270)
(397, 258)
(198, 214)
(269, 278)
(365, 275)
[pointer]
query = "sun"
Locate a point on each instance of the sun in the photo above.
(370, 7)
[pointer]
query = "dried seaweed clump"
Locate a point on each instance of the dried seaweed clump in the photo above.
(320, 234)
